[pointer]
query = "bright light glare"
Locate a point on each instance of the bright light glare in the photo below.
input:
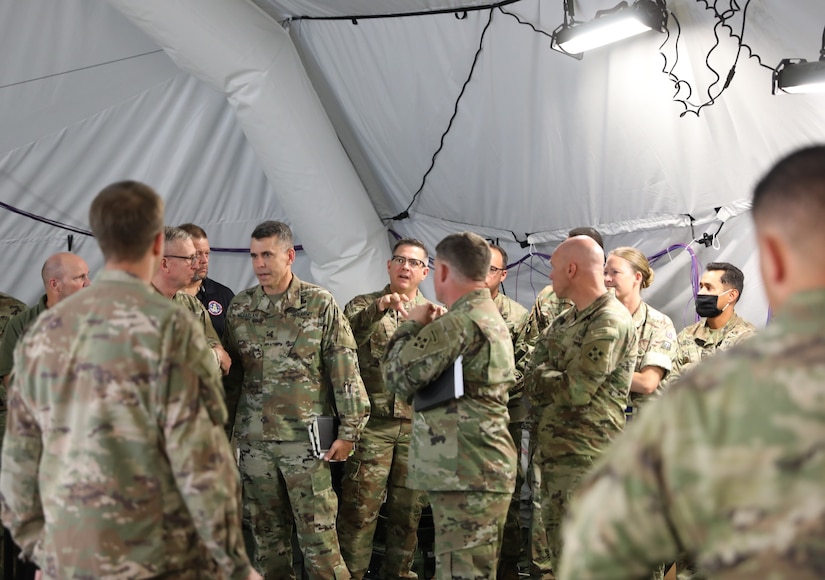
(595, 34)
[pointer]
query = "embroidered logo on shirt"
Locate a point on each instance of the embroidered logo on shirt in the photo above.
(215, 308)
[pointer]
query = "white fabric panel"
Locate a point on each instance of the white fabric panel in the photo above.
(238, 50)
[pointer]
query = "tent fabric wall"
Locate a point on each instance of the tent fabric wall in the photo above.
(541, 142)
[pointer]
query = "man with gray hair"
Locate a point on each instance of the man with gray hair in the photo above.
(173, 274)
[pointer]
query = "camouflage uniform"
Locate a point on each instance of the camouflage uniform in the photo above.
(515, 317)
(699, 341)
(729, 467)
(9, 308)
(116, 464)
(461, 452)
(578, 388)
(15, 328)
(293, 357)
(547, 307)
(656, 337)
(378, 467)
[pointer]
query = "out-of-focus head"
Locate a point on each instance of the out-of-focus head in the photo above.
(408, 266)
(467, 257)
(125, 219)
(788, 211)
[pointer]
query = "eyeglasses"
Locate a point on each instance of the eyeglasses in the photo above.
(190, 259)
(413, 263)
(494, 270)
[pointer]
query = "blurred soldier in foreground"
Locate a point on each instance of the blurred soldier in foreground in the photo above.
(579, 380)
(461, 452)
(116, 464)
(730, 467)
(214, 296)
(515, 317)
(293, 358)
(378, 468)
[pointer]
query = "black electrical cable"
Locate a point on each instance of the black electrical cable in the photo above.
(406, 213)
(525, 23)
(722, 17)
(355, 18)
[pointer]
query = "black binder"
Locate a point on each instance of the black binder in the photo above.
(323, 431)
(448, 386)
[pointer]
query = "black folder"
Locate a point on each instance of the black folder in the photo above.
(448, 386)
(323, 431)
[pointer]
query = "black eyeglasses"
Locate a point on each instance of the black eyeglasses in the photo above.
(494, 270)
(190, 259)
(414, 264)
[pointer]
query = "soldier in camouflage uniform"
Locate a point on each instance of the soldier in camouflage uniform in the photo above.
(547, 307)
(116, 464)
(293, 358)
(515, 317)
(627, 271)
(378, 468)
(461, 454)
(720, 288)
(579, 380)
(175, 272)
(730, 466)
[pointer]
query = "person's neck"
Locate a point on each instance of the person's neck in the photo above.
(458, 291)
(409, 292)
(632, 302)
(587, 295)
(721, 320)
(280, 287)
(493, 292)
(193, 288)
(165, 289)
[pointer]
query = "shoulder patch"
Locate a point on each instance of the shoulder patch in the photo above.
(215, 308)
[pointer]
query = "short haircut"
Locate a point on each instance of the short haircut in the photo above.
(125, 217)
(638, 261)
(731, 277)
(196, 232)
(501, 252)
(792, 195)
(411, 242)
(589, 232)
(173, 235)
(273, 229)
(468, 253)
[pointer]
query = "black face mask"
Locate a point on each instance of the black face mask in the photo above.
(706, 305)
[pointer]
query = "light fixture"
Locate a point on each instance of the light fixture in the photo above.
(797, 75)
(608, 26)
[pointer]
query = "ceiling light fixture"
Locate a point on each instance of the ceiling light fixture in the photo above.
(797, 75)
(608, 26)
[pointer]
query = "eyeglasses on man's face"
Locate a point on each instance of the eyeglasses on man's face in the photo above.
(413, 263)
(191, 259)
(494, 270)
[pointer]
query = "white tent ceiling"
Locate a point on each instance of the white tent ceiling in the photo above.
(540, 142)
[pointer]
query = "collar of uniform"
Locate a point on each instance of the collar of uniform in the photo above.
(708, 335)
(595, 305)
(472, 296)
(640, 315)
(291, 298)
(106, 275)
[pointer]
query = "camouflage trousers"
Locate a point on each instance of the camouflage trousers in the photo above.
(540, 561)
(559, 479)
(511, 544)
(378, 470)
(468, 530)
(284, 487)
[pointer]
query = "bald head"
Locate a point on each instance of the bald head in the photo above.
(578, 270)
(64, 274)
